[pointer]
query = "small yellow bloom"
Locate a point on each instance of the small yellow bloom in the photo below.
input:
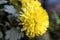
(34, 17)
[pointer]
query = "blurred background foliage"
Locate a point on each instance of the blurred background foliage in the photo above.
(9, 19)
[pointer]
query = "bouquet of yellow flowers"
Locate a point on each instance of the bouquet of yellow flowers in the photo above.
(34, 18)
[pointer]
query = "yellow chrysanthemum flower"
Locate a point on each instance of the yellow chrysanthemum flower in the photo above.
(34, 17)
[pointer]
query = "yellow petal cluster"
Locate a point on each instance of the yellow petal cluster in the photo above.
(34, 17)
